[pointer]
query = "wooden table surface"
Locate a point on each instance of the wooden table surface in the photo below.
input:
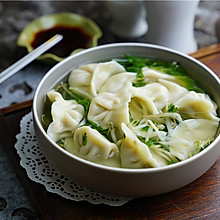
(198, 200)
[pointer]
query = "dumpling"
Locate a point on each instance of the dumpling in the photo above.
(87, 80)
(117, 82)
(102, 72)
(187, 133)
(90, 145)
(155, 91)
(67, 144)
(147, 100)
(135, 154)
(175, 91)
(66, 116)
(181, 149)
(193, 130)
(152, 75)
(196, 105)
(80, 79)
(141, 106)
(108, 108)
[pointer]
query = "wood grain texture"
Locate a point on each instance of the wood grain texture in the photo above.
(210, 56)
(198, 200)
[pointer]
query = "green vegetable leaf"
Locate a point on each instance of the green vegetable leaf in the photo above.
(46, 117)
(171, 162)
(135, 64)
(85, 102)
(151, 142)
(172, 108)
(146, 128)
(104, 132)
(84, 139)
(61, 142)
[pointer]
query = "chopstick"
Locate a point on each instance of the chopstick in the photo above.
(10, 71)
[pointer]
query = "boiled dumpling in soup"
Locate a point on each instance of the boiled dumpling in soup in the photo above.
(141, 106)
(175, 91)
(143, 102)
(152, 75)
(118, 81)
(135, 154)
(196, 105)
(185, 135)
(111, 108)
(102, 72)
(80, 79)
(87, 80)
(158, 94)
(66, 116)
(89, 144)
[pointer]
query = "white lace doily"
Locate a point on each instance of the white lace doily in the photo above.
(39, 170)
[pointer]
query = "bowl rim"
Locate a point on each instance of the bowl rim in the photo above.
(118, 169)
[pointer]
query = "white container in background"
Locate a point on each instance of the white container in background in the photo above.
(171, 24)
(128, 18)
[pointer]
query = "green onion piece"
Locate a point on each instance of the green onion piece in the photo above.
(84, 139)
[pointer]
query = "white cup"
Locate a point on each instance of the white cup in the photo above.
(171, 24)
(128, 18)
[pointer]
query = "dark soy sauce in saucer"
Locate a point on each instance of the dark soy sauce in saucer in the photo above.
(73, 38)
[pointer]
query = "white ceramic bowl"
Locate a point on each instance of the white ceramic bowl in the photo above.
(120, 181)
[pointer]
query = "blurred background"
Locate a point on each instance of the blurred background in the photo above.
(15, 15)
(182, 25)
(117, 26)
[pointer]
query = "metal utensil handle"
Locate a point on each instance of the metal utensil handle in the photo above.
(10, 71)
